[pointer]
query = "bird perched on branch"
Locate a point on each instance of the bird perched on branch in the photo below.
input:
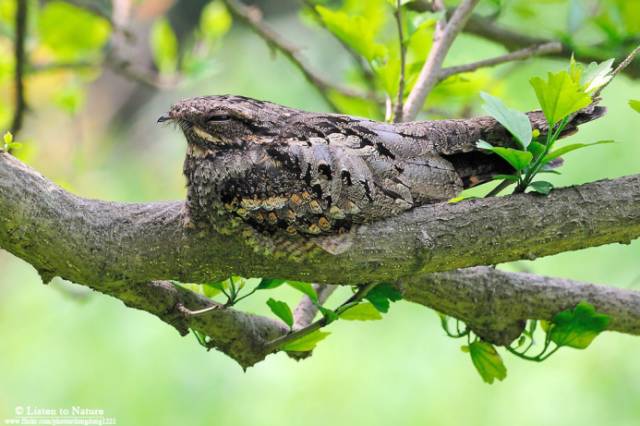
(280, 169)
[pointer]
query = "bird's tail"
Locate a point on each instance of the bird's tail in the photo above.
(456, 140)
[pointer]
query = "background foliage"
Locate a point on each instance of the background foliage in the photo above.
(94, 133)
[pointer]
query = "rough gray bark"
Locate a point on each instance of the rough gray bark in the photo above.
(121, 249)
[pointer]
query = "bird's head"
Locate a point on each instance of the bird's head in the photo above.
(217, 122)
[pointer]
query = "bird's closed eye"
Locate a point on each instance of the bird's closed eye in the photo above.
(218, 118)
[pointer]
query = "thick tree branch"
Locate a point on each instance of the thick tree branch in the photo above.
(86, 240)
(494, 303)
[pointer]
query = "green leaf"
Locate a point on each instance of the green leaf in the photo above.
(536, 148)
(381, 295)
(541, 187)
(215, 21)
(635, 105)
(328, 314)
(597, 75)
(486, 360)
(305, 343)
(519, 160)
(269, 283)
(578, 327)
(211, 290)
(511, 178)
(8, 138)
(559, 96)
(70, 32)
(356, 31)
(164, 46)
(516, 122)
(568, 148)
(281, 310)
(361, 312)
(305, 288)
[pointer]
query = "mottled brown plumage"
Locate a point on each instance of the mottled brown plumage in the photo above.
(281, 169)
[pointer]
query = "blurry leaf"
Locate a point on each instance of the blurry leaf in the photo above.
(541, 187)
(568, 148)
(519, 160)
(381, 295)
(305, 343)
(516, 122)
(281, 310)
(356, 31)
(71, 32)
(70, 99)
(8, 138)
(305, 288)
(269, 283)
(164, 46)
(559, 96)
(578, 327)
(361, 312)
(200, 337)
(196, 288)
(215, 21)
(577, 15)
(388, 73)
(635, 105)
(357, 106)
(486, 360)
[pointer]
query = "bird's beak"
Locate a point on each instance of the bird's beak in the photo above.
(164, 117)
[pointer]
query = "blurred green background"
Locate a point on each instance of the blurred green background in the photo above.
(62, 345)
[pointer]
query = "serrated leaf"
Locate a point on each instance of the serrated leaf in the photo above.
(516, 122)
(381, 296)
(305, 288)
(519, 160)
(635, 105)
(578, 327)
(356, 31)
(306, 343)
(269, 283)
(541, 187)
(281, 310)
(568, 148)
(597, 75)
(487, 361)
(559, 96)
(361, 312)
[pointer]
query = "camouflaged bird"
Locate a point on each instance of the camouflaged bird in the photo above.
(282, 169)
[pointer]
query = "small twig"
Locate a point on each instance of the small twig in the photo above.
(431, 70)
(621, 66)
(307, 310)
(252, 16)
(518, 55)
(397, 116)
(20, 104)
(189, 313)
(279, 342)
